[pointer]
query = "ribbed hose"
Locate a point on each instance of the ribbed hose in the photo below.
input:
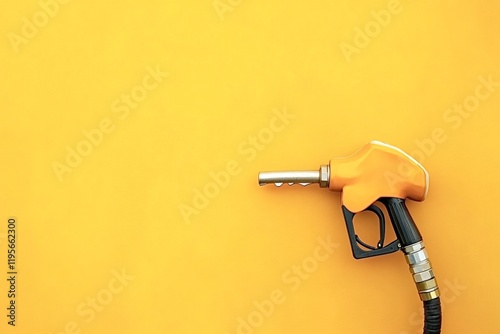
(432, 316)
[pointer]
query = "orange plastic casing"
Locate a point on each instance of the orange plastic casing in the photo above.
(377, 170)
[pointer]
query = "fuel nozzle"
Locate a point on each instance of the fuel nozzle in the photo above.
(379, 174)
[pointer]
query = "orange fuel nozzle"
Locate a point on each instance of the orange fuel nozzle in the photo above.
(376, 170)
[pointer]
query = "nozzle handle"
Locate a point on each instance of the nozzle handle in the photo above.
(404, 226)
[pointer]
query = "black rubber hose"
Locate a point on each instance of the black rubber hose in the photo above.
(432, 316)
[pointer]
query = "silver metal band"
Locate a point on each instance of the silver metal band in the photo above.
(421, 268)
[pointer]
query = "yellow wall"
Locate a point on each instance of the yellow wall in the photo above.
(131, 135)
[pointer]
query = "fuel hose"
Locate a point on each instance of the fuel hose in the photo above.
(432, 316)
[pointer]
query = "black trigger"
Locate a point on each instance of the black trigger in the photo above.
(359, 241)
(356, 242)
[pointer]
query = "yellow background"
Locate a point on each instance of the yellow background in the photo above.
(228, 73)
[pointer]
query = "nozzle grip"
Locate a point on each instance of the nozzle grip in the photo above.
(404, 226)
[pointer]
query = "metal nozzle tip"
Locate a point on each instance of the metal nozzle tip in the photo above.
(304, 178)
